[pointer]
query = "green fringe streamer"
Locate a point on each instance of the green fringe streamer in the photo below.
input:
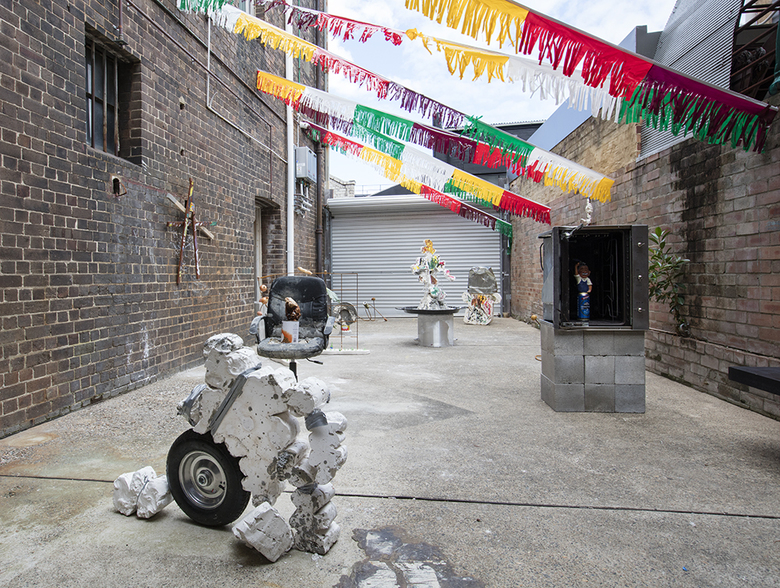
(505, 229)
(384, 123)
(663, 119)
(377, 140)
(479, 131)
(201, 5)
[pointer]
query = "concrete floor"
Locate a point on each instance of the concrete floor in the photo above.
(458, 476)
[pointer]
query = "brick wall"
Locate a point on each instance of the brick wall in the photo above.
(90, 303)
(722, 206)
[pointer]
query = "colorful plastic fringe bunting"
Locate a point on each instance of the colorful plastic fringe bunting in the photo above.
(415, 169)
(664, 98)
(395, 169)
(533, 76)
(480, 143)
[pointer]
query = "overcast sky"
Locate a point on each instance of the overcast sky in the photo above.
(412, 66)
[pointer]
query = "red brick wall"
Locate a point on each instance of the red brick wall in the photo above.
(90, 307)
(722, 206)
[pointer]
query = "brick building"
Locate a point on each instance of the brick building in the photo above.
(108, 109)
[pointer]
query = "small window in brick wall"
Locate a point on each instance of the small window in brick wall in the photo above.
(109, 99)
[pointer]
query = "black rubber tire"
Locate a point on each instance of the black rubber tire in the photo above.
(205, 480)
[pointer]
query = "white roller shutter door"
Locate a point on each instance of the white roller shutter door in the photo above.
(374, 242)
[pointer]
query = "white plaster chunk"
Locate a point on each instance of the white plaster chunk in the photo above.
(314, 500)
(259, 481)
(154, 497)
(309, 395)
(221, 368)
(327, 456)
(315, 542)
(265, 530)
(253, 434)
(265, 392)
(128, 486)
(282, 466)
(315, 522)
(303, 474)
(209, 401)
(223, 343)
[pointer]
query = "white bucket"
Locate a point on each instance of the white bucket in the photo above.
(290, 331)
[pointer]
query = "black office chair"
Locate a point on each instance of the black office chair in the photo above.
(315, 325)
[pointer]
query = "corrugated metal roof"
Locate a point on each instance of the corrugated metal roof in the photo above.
(697, 40)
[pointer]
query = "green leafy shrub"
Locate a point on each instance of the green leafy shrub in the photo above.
(666, 270)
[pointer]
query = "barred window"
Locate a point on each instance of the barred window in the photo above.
(102, 98)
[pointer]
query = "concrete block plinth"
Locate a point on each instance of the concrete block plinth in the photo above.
(593, 370)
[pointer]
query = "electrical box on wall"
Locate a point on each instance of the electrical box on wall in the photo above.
(305, 164)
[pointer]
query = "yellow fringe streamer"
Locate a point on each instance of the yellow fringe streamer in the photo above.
(391, 168)
(252, 28)
(459, 57)
(603, 189)
(562, 178)
(411, 185)
(476, 16)
(283, 89)
(479, 188)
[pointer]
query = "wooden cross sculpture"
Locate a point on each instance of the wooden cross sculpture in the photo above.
(188, 224)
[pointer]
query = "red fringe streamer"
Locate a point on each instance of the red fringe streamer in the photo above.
(561, 45)
(520, 206)
(354, 73)
(441, 199)
(339, 142)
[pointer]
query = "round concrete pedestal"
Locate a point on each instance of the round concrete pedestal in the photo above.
(435, 328)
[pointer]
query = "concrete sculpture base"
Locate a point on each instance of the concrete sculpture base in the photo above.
(435, 328)
(589, 370)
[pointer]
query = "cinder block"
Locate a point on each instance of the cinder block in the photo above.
(599, 369)
(629, 398)
(598, 343)
(570, 397)
(630, 370)
(547, 335)
(563, 397)
(599, 397)
(564, 369)
(568, 342)
(548, 391)
(630, 343)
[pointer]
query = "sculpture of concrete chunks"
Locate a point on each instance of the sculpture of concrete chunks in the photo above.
(313, 518)
(255, 413)
(141, 493)
(265, 530)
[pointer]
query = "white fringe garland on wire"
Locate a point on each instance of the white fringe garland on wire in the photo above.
(425, 169)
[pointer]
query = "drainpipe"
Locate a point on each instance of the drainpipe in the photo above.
(320, 171)
(288, 70)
